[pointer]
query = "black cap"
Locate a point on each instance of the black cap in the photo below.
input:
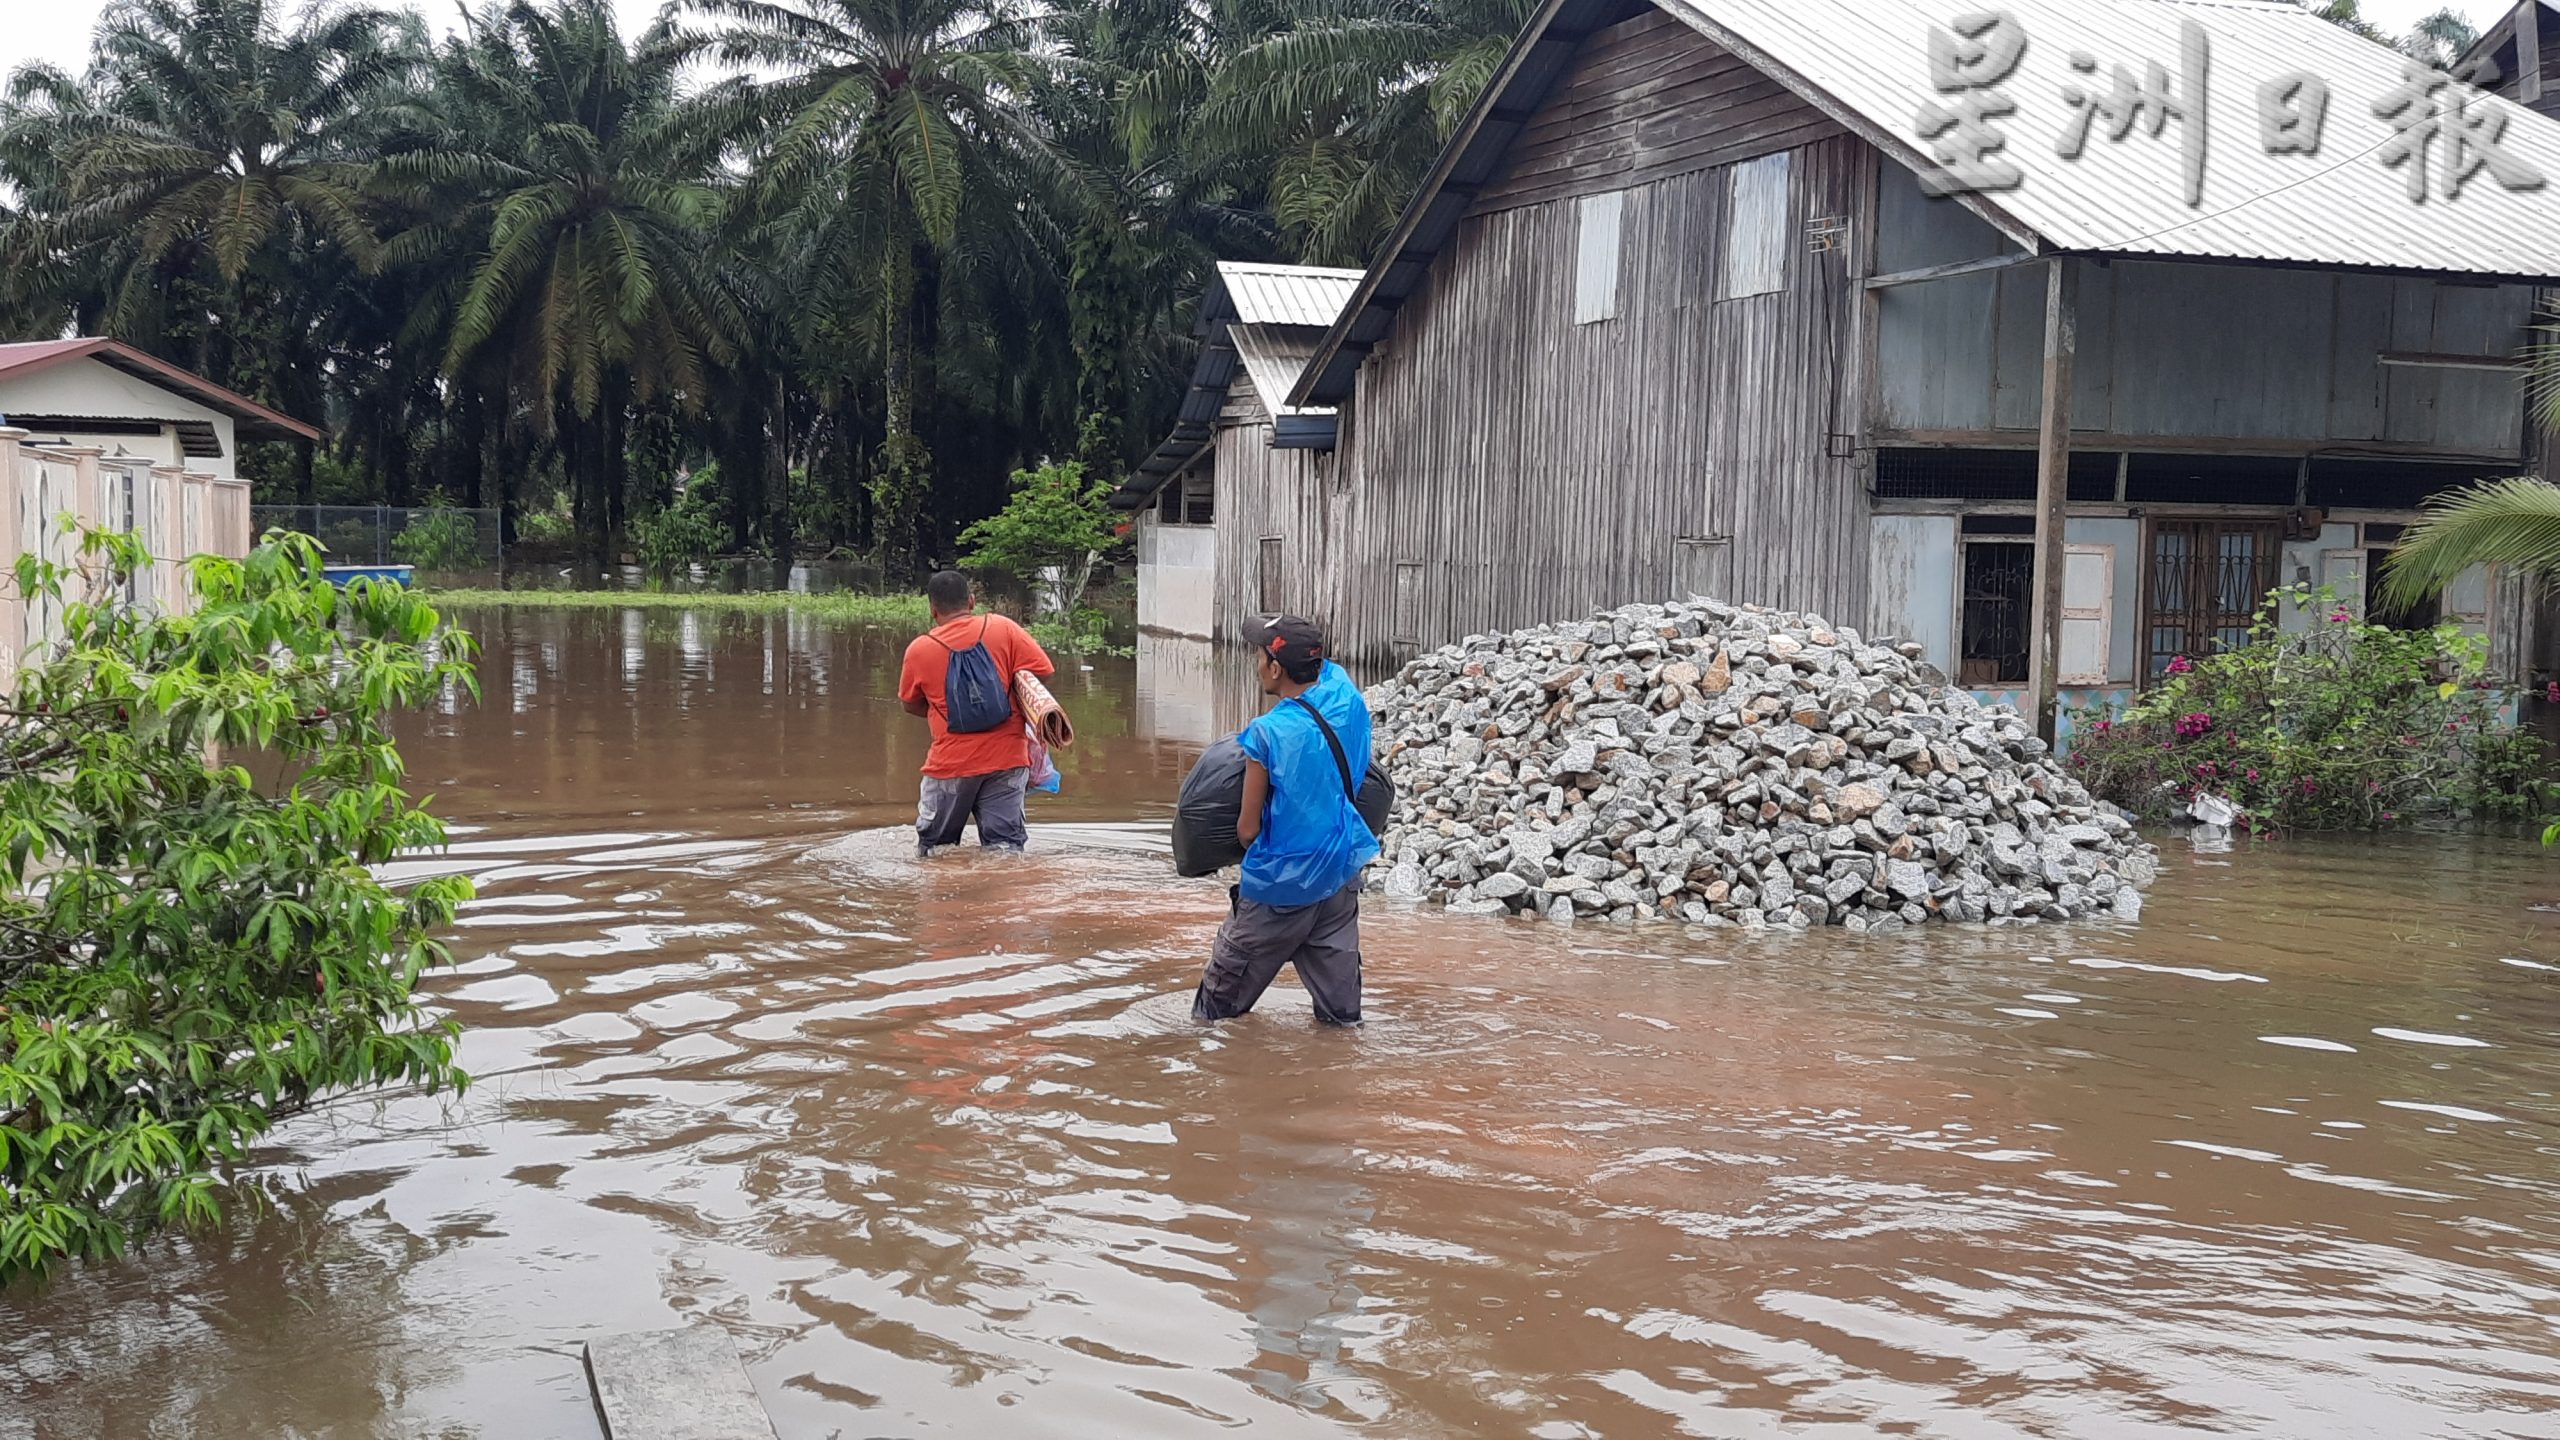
(1296, 643)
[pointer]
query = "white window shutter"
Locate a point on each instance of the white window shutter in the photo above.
(1595, 274)
(1755, 230)
(2088, 612)
(2343, 572)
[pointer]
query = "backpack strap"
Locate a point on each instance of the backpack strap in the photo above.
(983, 621)
(1333, 742)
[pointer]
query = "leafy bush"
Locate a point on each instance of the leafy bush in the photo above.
(2340, 726)
(438, 537)
(548, 526)
(188, 955)
(1084, 633)
(1054, 521)
(679, 536)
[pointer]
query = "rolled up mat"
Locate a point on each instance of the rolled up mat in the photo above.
(1042, 710)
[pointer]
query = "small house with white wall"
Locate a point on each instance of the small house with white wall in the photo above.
(95, 433)
(1236, 441)
(132, 405)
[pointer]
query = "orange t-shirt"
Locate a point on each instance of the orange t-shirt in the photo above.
(929, 657)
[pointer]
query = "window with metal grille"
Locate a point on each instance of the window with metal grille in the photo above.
(1998, 580)
(1274, 599)
(2208, 578)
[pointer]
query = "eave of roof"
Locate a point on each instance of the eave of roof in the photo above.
(251, 420)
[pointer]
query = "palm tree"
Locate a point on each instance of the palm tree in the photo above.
(1146, 217)
(1350, 100)
(211, 138)
(2439, 39)
(569, 173)
(894, 146)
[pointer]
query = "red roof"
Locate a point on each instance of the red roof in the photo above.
(255, 421)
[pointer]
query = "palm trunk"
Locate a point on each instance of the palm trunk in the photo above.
(899, 478)
(777, 460)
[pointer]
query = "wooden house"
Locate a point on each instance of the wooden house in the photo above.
(1680, 308)
(1237, 442)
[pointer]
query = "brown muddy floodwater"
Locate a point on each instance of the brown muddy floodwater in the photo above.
(937, 1145)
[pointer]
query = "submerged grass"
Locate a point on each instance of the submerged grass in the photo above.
(843, 607)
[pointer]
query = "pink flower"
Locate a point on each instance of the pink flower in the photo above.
(2191, 726)
(2551, 692)
(2310, 787)
(2180, 665)
(2253, 774)
(2340, 616)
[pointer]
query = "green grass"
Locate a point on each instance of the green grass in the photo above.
(901, 610)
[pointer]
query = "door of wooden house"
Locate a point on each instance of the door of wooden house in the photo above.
(2204, 585)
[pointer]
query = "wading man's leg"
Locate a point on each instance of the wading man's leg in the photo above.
(1328, 960)
(1252, 946)
(942, 810)
(999, 809)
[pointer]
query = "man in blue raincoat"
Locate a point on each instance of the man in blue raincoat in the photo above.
(1305, 843)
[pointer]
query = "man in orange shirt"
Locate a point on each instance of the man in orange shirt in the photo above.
(981, 768)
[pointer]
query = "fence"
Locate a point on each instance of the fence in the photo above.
(48, 493)
(429, 538)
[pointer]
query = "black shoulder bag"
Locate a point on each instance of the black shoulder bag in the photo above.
(1375, 794)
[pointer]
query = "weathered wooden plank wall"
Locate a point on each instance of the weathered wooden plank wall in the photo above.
(1265, 494)
(1647, 99)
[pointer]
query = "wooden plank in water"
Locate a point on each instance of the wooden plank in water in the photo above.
(681, 1384)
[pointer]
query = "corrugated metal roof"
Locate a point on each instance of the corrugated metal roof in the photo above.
(1287, 294)
(1273, 355)
(2341, 206)
(253, 420)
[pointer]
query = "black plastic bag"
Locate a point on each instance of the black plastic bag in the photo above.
(1204, 818)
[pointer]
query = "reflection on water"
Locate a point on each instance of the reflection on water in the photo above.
(938, 1145)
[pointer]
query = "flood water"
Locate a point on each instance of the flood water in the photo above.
(937, 1145)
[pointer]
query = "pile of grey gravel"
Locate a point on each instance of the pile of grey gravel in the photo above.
(1730, 764)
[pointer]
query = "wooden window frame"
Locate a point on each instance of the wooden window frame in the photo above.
(1270, 575)
(2152, 660)
(1405, 619)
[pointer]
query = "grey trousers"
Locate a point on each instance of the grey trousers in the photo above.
(944, 807)
(1322, 940)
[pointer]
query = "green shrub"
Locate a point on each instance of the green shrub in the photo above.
(2338, 726)
(1087, 632)
(679, 536)
(549, 525)
(191, 952)
(437, 537)
(1053, 521)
